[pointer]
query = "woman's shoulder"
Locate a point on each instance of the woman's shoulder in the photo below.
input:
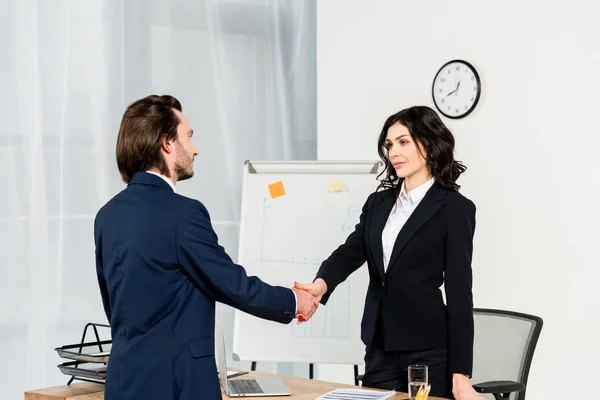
(459, 201)
(383, 192)
(378, 197)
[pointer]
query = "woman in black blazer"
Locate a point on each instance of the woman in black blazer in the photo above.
(415, 233)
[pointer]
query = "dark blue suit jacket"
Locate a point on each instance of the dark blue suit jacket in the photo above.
(160, 271)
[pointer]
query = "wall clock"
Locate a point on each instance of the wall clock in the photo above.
(456, 89)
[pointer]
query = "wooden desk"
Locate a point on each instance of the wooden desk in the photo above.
(80, 390)
(302, 389)
(307, 389)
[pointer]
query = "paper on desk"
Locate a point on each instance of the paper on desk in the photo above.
(233, 374)
(356, 394)
(104, 353)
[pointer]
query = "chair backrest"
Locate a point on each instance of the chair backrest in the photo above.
(504, 345)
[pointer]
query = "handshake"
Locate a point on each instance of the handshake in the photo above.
(308, 297)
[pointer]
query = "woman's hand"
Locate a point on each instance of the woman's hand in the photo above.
(462, 389)
(318, 288)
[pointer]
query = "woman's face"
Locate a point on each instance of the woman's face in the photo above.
(403, 152)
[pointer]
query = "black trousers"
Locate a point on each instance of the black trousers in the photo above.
(389, 370)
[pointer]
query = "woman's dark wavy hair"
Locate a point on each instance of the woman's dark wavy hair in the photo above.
(434, 141)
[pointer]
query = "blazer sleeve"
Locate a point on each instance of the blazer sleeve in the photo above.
(347, 258)
(100, 275)
(458, 285)
(212, 270)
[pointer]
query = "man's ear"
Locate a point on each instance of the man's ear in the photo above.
(167, 145)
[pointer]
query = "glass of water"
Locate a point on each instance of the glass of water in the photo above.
(417, 376)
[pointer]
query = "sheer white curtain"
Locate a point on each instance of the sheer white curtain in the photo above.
(245, 72)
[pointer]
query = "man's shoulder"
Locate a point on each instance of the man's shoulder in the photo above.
(173, 204)
(108, 207)
(187, 203)
(190, 206)
(184, 200)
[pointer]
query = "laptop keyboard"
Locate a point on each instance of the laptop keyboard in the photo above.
(245, 386)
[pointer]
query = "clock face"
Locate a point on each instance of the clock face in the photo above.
(456, 89)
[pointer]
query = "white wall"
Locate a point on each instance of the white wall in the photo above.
(530, 147)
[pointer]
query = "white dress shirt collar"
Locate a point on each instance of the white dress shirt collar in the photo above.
(164, 178)
(400, 213)
(415, 195)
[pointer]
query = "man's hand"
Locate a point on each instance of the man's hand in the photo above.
(306, 305)
(462, 389)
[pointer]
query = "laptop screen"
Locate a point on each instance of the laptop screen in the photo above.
(221, 357)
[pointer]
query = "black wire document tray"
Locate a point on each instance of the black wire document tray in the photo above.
(87, 352)
(84, 370)
(90, 358)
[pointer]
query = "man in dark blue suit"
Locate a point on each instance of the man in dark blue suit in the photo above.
(161, 270)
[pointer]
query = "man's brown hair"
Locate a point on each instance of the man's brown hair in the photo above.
(144, 125)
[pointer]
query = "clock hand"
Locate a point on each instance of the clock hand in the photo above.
(456, 79)
(450, 93)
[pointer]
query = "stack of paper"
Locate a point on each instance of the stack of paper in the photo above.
(356, 394)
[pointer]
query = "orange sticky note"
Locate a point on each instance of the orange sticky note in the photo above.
(276, 189)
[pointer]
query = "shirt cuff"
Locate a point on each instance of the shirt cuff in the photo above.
(296, 301)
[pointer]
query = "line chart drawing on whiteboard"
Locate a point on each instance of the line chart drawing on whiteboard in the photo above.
(331, 321)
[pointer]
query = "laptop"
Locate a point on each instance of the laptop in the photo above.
(245, 387)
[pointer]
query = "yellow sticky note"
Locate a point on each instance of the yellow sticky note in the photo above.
(336, 186)
(276, 189)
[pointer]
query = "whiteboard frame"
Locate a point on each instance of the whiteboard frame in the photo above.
(312, 167)
(296, 167)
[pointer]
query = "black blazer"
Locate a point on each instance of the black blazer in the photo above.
(434, 246)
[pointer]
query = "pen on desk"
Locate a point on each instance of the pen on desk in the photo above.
(426, 394)
(423, 392)
(419, 393)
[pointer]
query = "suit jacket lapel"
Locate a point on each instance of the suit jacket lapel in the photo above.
(382, 210)
(428, 206)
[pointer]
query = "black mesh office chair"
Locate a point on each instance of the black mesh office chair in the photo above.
(503, 349)
(504, 345)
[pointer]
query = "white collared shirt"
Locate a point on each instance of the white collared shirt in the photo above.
(402, 210)
(164, 178)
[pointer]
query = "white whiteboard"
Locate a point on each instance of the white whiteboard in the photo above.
(285, 239)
